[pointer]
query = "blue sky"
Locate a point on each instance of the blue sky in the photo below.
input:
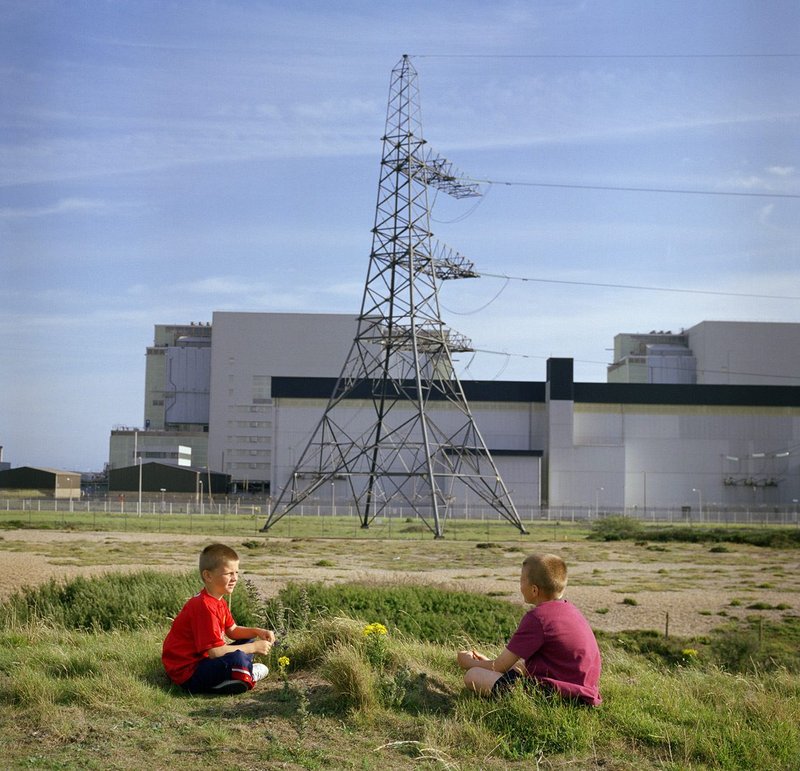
(163, 160)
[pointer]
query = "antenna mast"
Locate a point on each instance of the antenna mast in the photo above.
(400, 364)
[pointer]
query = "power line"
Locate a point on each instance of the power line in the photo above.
(607, 56)
(624, 189)
(642, 288)
(606, 364)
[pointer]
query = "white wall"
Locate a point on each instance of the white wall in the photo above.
(745, 353)
(503, 426)
(247, 350)
(675, 455)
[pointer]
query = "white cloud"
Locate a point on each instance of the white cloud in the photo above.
(765, 213)
(65, 206)
(781, 171)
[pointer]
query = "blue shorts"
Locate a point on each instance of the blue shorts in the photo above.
(506, 681)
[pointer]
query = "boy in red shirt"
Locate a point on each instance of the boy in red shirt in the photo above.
(553, 645)
(195, 653)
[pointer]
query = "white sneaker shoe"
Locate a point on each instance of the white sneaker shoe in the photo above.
(260, 671)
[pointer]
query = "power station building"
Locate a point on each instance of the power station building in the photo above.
(706, 417)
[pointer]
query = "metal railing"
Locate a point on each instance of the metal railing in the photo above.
(712, 514)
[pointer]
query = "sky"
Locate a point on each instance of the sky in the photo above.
(162, 160)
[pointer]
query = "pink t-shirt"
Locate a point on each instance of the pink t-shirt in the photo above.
(559, 649)
(199, 627)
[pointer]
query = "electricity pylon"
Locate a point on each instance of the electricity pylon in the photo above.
(400, 364)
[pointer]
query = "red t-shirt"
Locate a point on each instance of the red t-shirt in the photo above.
(199, 627)
(559, 649)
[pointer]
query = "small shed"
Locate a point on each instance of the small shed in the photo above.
(163, 476)
(49, 481)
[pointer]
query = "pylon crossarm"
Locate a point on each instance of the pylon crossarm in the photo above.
(432, 169)
(450, 264)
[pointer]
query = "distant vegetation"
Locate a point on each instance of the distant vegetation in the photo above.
(619, 528)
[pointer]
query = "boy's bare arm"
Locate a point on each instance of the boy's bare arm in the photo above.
(257, 646)
(505, 661)
(245, 632)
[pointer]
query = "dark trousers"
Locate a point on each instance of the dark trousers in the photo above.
(236, 665)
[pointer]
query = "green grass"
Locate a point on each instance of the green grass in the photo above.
(248, 523)
(310, 525)
(82, 688)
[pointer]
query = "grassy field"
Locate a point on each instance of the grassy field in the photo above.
(295, 526)
(81, 685)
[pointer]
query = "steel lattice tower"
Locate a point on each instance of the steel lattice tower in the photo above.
(400, 363)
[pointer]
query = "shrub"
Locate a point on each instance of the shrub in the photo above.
(616, 528)
(656, 648)
(780, 538)
(735, 651)
(427, 613)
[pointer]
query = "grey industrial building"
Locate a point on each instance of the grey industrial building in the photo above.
(167, 478)
(51, 482)
(706, 416)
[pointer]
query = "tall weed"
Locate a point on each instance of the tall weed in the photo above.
(115, 601)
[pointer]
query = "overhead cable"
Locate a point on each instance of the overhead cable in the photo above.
(606, 364)
(641, 288)
(608, 56)
(625, 189)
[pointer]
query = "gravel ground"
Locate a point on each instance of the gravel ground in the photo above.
(618, 586)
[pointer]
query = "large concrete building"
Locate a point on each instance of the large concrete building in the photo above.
(697, 433)
(710, 353)
(176, 401)
(249, 350)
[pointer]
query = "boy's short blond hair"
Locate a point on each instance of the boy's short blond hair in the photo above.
(215, 555)
(548, 572)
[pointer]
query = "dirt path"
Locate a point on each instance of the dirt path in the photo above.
(619, 586)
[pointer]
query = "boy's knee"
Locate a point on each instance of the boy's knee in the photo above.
(239, 659)
(470, 678)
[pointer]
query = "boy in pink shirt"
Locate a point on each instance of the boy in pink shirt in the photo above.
(554, 645)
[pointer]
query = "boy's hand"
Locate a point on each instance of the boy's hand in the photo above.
(261, 646)
(467, 659)
(265, 634)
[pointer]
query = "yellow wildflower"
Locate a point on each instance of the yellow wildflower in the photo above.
(283, 662)
(378, 629)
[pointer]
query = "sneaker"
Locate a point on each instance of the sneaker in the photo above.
(260, 671)
(229, 687)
